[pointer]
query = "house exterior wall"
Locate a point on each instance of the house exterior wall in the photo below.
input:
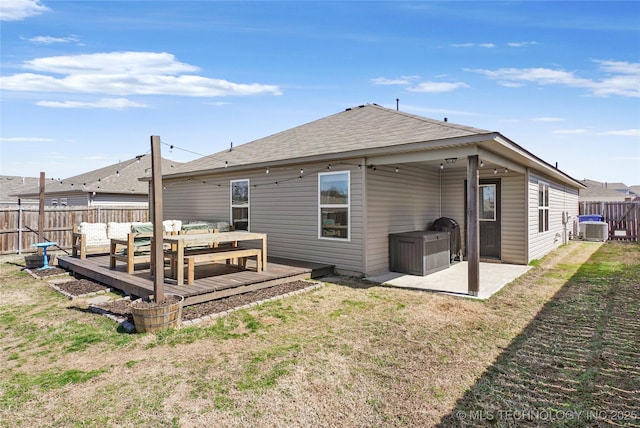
(73, 200)
(561, 198)
(397, 202)
(287, 212)
(381, 202)
(99, 200)
(512, 204)
(110, 200)
(514, 219)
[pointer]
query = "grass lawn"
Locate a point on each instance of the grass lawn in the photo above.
(558, 347)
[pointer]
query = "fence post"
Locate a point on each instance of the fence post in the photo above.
(20, 229)
(99, 215)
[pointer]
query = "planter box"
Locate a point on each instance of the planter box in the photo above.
(36, 261)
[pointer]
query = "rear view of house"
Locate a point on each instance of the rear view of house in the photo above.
(333, 190)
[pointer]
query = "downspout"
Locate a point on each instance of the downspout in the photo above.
(365, 217)
(440, 191)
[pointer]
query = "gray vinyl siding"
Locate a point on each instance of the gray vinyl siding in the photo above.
(453, 198)
(514, 217)
(73, 200)
(397, 202)
(561, 198)
(287, 212)
(513, 210)
(110, 200)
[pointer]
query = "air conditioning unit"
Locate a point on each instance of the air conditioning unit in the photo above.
(594, 230)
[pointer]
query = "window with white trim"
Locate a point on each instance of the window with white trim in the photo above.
(543, 207)
(240, 204)
(487, 202)
(334, 194)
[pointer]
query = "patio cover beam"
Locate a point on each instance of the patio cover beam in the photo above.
(473, 226)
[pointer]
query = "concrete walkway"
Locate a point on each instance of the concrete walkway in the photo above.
(493, 276)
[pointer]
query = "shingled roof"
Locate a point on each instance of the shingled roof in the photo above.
(119, 178)
(11, 184)
(360, 128)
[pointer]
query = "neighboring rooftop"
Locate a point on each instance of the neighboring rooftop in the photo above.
(11, 184)
(605, 191)
(119, 178)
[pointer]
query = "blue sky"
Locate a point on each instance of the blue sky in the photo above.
(85, 83)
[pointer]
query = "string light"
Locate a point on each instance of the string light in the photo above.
(441, 166)
(495, 170)
(267, 171)
(397, 169)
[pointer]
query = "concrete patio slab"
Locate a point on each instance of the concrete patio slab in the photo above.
(493, 276)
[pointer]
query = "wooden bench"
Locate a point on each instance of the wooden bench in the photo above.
(227, 254)
(131, 253)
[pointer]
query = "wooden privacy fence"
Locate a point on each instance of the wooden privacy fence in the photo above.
(623, 218)
(19, 224)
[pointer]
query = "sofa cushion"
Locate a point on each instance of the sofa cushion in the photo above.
(195, 226)
(95, 233)
(117, 230)
(222, 226)
(172, 225)
(146, 227)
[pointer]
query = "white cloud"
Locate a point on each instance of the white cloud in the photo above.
(623, 78)
(125, 73)
(473, 45)
(49, 40)
(548, 119)
(106, 103)
(17, 10)
(571, 131)
(634, 132)
(438, 87)
(402, 80)
(25, 140)
(521, 44)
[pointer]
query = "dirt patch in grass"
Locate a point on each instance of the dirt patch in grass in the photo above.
(122, 307)
(81, 286)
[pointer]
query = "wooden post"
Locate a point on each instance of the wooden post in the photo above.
(473, 227)
(157, 258)
(41, 212)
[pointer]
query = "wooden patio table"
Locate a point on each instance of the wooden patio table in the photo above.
(180, 242)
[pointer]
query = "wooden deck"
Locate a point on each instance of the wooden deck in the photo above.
(212, 282)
